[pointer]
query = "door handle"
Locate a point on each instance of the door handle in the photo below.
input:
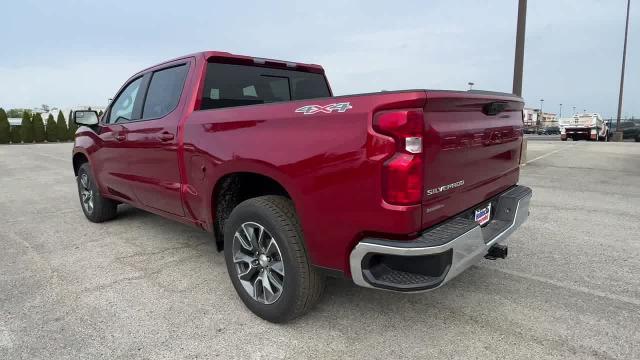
(166, 136)
(120, 136)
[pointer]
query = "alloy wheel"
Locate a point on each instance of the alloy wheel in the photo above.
(86, 193)
(258, 262)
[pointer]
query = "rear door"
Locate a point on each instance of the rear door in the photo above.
(153, 166)
(472, 149)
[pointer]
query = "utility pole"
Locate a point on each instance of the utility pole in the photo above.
(574, 110)
(618, 134)
(518, 65)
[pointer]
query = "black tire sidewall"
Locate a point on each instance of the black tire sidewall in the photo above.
(283, 308)
(85, 169)
(103, 209)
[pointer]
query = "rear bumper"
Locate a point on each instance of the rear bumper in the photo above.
(440, 253)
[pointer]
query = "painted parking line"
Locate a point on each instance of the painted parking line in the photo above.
(547, 154)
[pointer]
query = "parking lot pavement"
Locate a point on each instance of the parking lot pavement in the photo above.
(145, 287)
(533, 137)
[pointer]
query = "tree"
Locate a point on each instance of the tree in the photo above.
(72, 126)
(16, 135)
(5, 128)
(26, 128)
(52, 129)
(16, 113)
(38, 128)
(63, 131)
(100, 113)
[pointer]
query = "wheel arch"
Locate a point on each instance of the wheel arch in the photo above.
(78, 159)
(235, 187)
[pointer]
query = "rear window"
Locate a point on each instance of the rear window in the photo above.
(228, 85)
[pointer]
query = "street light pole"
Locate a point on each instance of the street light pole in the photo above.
(618, 134)
(540, 117)
(574, 110)
(560, 111)
(518, 64)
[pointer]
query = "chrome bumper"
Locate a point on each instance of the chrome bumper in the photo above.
(442, 252)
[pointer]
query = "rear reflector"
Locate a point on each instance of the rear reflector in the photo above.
(402, 179)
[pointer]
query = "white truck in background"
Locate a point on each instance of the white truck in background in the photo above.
(584, 127)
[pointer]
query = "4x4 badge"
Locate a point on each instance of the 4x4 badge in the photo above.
(312, 109)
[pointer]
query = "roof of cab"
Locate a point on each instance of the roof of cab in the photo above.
(226, 57)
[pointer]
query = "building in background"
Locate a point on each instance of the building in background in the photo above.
(13, 122)
(530, 117)
(548, 120)
(534, 121)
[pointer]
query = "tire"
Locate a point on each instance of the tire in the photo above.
(95, 207)
(300, 284)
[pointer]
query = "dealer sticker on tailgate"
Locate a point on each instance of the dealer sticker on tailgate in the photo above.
(483, 214)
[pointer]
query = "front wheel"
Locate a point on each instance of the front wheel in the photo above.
(95, 207)
(267, 261)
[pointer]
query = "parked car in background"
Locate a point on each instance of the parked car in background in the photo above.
(584, 127)
(397, 190)
(630, 129)
(551, 130)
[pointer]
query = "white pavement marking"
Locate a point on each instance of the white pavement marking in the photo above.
(603, 294)
(5, 338)
(547, 154)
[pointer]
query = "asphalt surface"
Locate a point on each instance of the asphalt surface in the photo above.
(145, 287)
(532, 137)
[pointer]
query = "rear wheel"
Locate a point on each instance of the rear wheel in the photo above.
(95, 207)
(266, 259)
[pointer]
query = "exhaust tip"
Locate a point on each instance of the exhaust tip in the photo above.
(497, 251)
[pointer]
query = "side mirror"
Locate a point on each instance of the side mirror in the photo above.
(85, 117)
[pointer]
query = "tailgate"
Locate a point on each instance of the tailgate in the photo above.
(472, 147)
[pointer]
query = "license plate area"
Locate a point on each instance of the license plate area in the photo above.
(483, 215)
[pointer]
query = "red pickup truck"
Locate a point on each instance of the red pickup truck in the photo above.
(397, 190)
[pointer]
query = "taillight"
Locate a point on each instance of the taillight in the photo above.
(402, 173)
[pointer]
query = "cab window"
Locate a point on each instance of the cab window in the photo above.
(122, 108)
(228, 85)
(164, 92)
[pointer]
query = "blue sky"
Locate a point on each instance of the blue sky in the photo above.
(65, 53)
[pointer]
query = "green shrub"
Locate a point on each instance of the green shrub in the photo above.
(52, 129)
(26, 128)
(63, 131)
(16, 135)
(72, 126)
(5, 128)
(38, 128)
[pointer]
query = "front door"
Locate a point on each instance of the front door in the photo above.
(110, 164)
